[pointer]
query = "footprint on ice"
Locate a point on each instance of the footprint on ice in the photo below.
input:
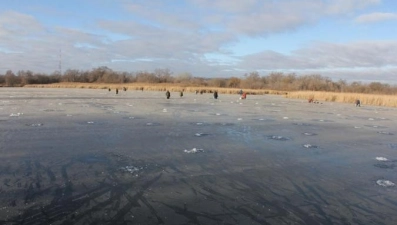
(385, 183)
(194, 150)
(90, 122)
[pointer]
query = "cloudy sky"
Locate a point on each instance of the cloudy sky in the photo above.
(340, 39)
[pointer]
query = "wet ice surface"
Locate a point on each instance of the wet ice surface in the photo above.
(92, 157)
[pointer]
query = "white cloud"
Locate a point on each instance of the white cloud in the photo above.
(375, 17)
(369, 54)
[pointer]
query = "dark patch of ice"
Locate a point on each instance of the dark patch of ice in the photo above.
(385, 165)
(392, 145)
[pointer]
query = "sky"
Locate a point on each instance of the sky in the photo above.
(353, 40)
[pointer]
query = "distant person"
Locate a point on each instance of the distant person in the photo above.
(168, 94)
(240, 92)
(117, 91)
(110, 89)
(358, 103)
(243, 96)
(141, 88)
(215, 95)
(181, 94)
(124, 88)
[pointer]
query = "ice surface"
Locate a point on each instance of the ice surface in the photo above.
(48, 159)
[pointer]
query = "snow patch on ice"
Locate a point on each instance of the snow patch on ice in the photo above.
(381, 159)
(129, 169)
(16, 114)
(385, 183)
(194, 150)
(309, 146)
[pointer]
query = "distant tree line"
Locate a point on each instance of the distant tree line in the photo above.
(274, 81)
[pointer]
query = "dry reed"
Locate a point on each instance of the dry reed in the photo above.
(157, 87)
(365, 99)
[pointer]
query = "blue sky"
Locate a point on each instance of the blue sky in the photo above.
(354, 40)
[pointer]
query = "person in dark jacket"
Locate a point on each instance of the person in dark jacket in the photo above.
(168, 94)
(117, 91)
(215, 94)
(358, 103)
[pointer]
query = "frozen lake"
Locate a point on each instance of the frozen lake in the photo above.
(80, 156)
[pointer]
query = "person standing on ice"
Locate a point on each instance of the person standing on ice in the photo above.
(168, 94)
(358, 103)
(215, 95)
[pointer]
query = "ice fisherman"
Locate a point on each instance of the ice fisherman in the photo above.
(215, 95)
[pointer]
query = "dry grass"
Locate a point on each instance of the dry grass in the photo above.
(156, 87)
(366, 99)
